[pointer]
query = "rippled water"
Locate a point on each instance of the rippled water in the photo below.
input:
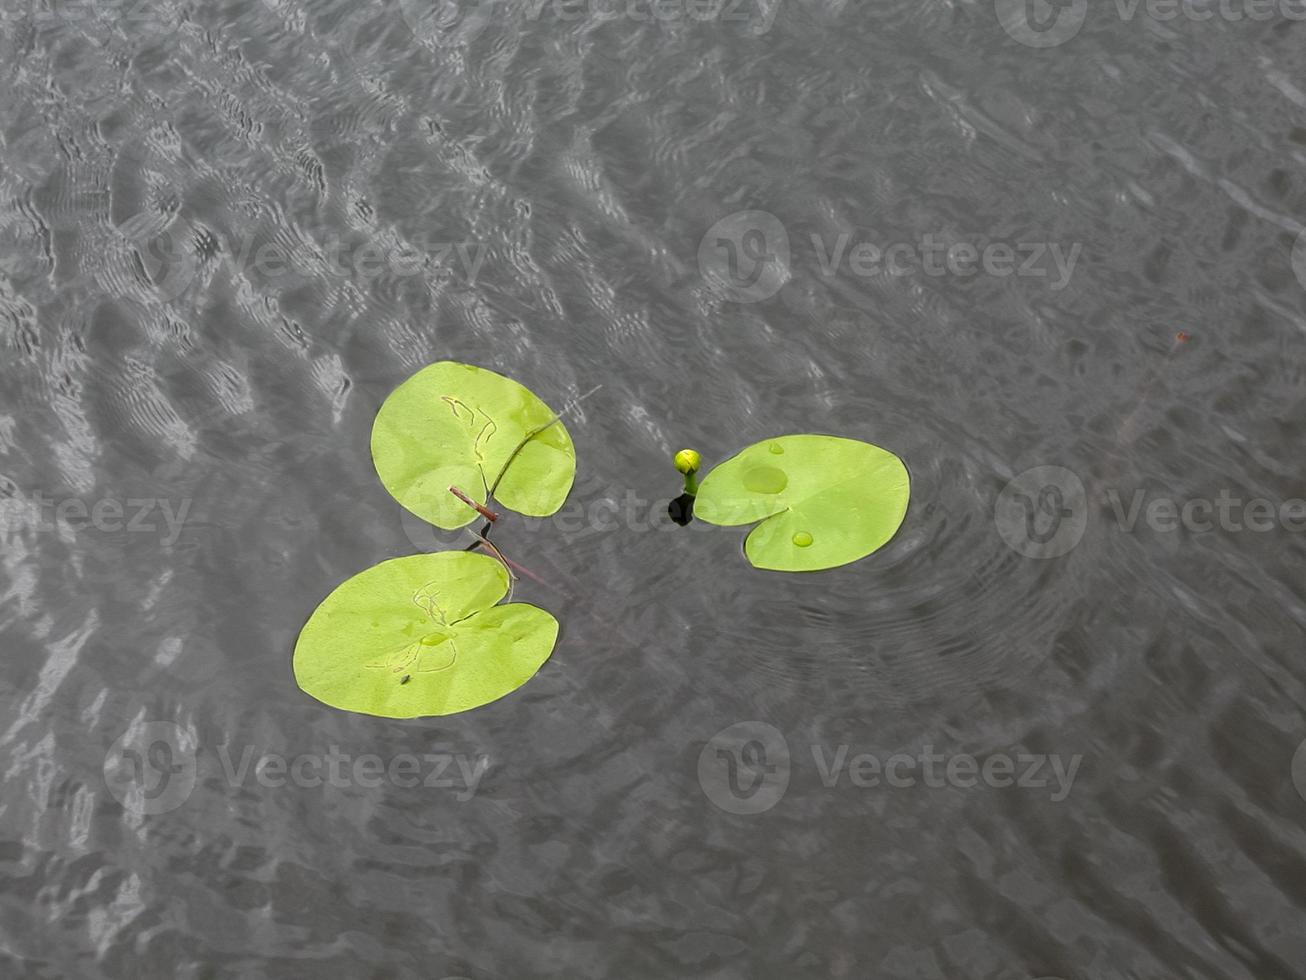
(229, 229)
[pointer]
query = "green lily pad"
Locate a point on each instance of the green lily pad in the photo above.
(457, 425)
(422, 636)
(823, 501)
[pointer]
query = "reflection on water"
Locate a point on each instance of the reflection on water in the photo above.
(968, 232)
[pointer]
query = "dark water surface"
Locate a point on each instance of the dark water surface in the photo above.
(228, 229)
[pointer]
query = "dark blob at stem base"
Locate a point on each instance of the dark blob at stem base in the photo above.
(681, 510)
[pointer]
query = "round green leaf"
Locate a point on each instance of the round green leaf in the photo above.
(457, 425)
(422, 636)
(823, 501)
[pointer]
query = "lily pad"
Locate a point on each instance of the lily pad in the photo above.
(823, 501)
(422, 636)
(453, 424)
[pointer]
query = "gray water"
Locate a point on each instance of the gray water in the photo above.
(229, 229)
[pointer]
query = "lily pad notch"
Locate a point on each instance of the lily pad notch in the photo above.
(427, 635)
(465, 427)
(422, 635)
(822, 501)
(430, 634)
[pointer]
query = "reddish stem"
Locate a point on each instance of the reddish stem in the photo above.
(488, 514)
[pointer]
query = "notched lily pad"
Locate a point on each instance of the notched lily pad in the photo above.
(453, 424)
(421, 636)
(822, 501)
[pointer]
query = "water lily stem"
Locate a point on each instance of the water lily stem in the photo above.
(687, 463)
(489, 515)
(482, 541)
(482, 537)
(531, 435)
